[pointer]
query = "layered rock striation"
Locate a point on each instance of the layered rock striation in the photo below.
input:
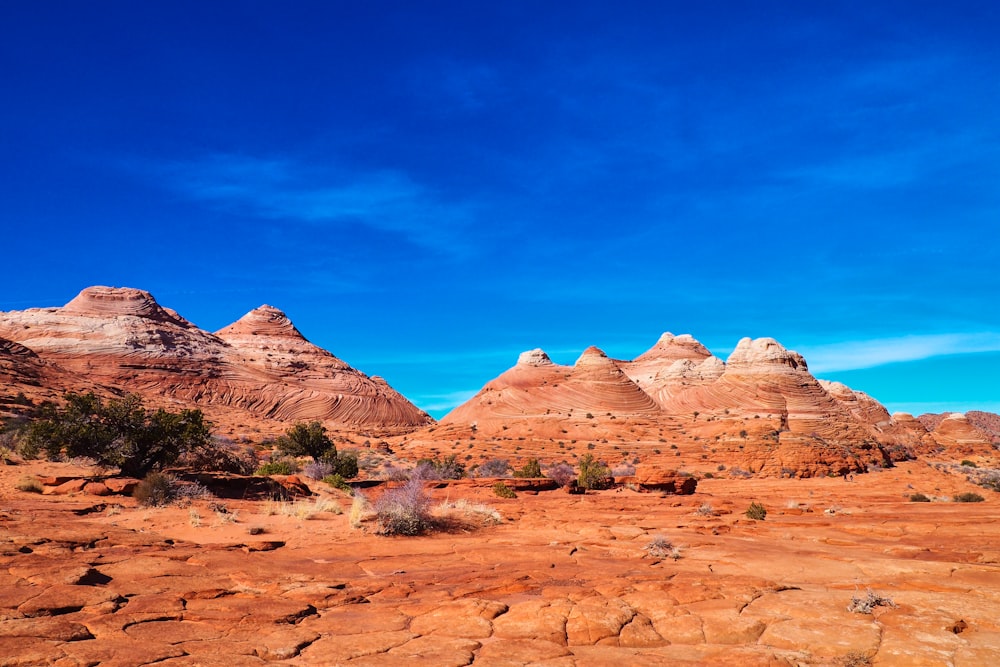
(260, 365)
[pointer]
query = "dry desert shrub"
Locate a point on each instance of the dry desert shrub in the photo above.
(660, 547)
(29, 485)
(867, 604)
(155, 490)
(493, 468)
(404, 510)
(561, 473)
(466, 512)
(360, 509)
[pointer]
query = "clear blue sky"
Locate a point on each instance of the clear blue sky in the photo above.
(429, 188)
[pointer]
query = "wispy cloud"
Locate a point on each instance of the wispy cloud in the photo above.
(442, 403)
(919, 408)
(854, 355)
(286, 189)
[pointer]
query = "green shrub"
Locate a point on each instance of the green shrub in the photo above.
(307, 440)
(968, 464)
(530, 469)
(503, 491)
(756, 511)
(969, 497)
(337, 482)
(919, 498)
(117, 433)
(29, 485)
(447, 468)
(593, 474)
(155, 490)
(278, 467)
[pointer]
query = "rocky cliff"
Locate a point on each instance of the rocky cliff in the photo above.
(260, 366)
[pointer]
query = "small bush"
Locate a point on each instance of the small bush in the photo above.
(317, 469)
(919, 498)
(29, 485)
(501, 490)
(493, 468)
(706, 509)
(868, 603)
(447, 468)
(593, 474)
(969, 497)
(561, 473)
(531, 469)
(661, 547)
(756, 511)
(404, 510)
(359, 509)
(277, 467)
(968, 464)
(337, 482)
(191, 491)
(155, 490)
(623, 470)
(220, 454)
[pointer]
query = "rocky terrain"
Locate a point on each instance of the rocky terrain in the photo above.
(760, 412)
(259, 369)
(608, 578)
(864, 555)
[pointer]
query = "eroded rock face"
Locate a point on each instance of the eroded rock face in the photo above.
(261, 364)
(536, 387)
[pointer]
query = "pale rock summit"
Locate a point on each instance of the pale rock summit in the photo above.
(536, 357)
(763, 355)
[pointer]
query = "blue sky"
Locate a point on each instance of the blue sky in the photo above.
(429, 188)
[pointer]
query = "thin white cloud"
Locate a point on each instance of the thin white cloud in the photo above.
(443, 402)
(273, 188)
(854, 355)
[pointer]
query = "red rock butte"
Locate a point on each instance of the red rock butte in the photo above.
(760, 412)
(260, 367)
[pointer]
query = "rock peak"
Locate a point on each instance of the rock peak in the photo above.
(264, 320)
(763, 353)
(105, 301)
(592, 355)
(670, 348)
(536, 357)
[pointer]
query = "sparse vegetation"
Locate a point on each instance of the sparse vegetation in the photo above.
(968, 497)
(337, 482)
(968, 464)
(436, 468)
(531, 469)
(119, 433)
(501, 490)
(919, 498)
(155, 490)
(276, 467)
(706, 509)
(561, 473)
(867, 604)
(493, 468)
(404, 510)
(660, 547)
(593, 473)
(29, 485)
(756, 511)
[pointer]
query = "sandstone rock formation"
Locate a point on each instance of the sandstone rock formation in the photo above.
(261, 366)
(761, 410)
(536, 387)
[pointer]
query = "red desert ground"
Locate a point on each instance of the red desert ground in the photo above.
(672, 509)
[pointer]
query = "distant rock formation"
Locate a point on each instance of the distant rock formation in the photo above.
(261, 365)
